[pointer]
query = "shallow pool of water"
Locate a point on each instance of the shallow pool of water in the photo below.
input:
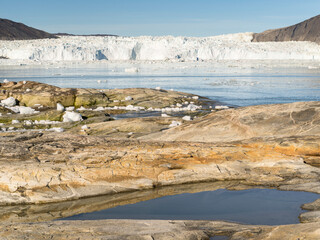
(252, 206)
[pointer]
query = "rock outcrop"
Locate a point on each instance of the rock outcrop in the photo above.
(158, 230)
(10, 30)
(267, 145)
(308, 30)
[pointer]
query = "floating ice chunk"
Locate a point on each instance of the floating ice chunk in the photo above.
(131, 70)
(9, 102)
(69, 108)
(164, 115)
(15, 121)
(72, 117)
(99, 81)
(195, 97)
(6, 81)
(221, 107)
(158, 88)
(27, 110)
(174, 124)
(187, 118)
(60, 107)
(128, 98)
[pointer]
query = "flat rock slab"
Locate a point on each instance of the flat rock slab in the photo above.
(156, 229)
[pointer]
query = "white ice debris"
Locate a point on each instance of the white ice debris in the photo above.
(187, 118)
(58, 129)
(84, 127)
(131, 70)
(221, 107)
(163, 48)
(45, 122)
(99, 109)
(70, 108)
(28, 90)
(24, 82)
(174, 124)
(128, 98)
(195, 97)
(28, 122)
(60, 107)
(15, 121)
(158, 88)
(81, 108)
(164, 115)
(5, 81)
(72, 117)
(27, 110)
(9, 102)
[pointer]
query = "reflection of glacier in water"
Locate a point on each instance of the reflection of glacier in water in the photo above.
(253, 206)
(236, 83)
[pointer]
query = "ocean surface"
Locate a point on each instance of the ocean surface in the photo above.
(232, 84)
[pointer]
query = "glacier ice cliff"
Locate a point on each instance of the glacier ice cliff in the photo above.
(224, 47)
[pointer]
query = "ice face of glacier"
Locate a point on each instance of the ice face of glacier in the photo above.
(224, 47)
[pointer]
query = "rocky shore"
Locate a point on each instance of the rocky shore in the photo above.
(190, 140)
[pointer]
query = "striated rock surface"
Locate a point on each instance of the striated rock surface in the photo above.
(276, 120)
(157, 229)
(308, 30)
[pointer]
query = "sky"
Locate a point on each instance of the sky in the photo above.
(158, 17)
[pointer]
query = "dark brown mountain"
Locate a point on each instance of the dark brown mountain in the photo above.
(10, 30)
(308, 30)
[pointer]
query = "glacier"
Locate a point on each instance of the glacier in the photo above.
(163, 48)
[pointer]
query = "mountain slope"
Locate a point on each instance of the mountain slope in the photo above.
(10, 30)
(308, 30)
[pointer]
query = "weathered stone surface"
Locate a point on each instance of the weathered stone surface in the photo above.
(31, 93)
(38, 168)
(275, 120)
(156, 229)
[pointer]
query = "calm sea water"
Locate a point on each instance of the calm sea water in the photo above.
(254, 206)
(234, 85)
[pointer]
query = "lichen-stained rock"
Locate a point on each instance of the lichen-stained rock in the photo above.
(29, 93)
(39, 168)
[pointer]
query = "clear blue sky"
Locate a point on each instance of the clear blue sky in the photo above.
(158, 17)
